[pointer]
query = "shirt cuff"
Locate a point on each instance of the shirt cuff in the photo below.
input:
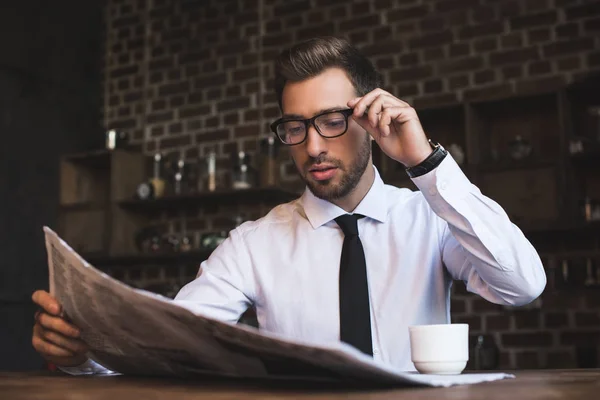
(446, 178)
(89, 367)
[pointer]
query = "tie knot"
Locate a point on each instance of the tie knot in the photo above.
(348, 223)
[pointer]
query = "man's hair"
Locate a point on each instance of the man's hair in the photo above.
(311, 57)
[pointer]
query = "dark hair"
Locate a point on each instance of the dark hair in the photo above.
(311, 57)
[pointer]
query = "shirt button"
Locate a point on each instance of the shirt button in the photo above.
(432, 191)
(375, 351)
(443, 185)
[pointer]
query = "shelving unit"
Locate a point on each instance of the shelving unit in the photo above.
(100, 214)
(542, 191)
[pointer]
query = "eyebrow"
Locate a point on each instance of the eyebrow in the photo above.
(324, 110)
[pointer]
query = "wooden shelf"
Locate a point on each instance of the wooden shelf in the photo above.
(203, 199)
(97, 159)
(553, 227)
(503, 166)
(130, 260)
(82, 206)
(586, 158)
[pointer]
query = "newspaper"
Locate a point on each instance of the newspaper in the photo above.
(135, 332)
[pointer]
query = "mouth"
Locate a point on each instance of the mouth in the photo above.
(322, 172)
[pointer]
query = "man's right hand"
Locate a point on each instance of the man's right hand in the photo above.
(53, 337)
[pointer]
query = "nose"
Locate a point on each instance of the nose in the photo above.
(315, 143)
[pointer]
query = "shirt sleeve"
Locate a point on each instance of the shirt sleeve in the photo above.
(89, 367)
(223, 288)
(479, 243)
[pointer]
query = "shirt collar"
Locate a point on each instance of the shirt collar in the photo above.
(373, 205)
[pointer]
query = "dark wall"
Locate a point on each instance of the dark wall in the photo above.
(50, 103)
(191, 76)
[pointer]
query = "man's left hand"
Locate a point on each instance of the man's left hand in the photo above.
(393, 124)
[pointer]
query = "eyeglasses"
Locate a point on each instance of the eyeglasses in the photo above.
(328, 124)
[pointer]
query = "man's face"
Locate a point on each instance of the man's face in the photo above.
(330, 167)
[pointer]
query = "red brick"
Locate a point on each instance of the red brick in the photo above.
(542, 85)
(479, 304)
(485, 76)
(483, 14)
(560, 359)
(518, 56)
(449, 5)
(407, 13)
(474, 322)
(382, 48)
(212, 135)
(592, 25)
(438, 100)
(409, 74)
(539, 35)
(458, 82)
(409, 59)
(527, 360)
(433, 86)
(580, 338)
(569, 63)
(461, 64)
(173, 142)
(160, 117)
(246, 130)
(473, 31)
(495, 323)
(291, 8)
(459, 49)
(485, 44)
(519, 340)
(511, 40)
(510, 8)
(492, 92)
(539, 68)
(568, 47)
(368, 21)
(433, 54)
(587, 319)
(407, 89)
(432, 24)
(531, 20)
(583, 11)
(512, 71)
(194, 111)
(556, 320)
(431, 40)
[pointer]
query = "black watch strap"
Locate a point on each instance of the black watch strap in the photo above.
(430, 163)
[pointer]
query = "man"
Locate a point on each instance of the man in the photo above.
(353, 259)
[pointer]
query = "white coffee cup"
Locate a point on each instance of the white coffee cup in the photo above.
(439, 349)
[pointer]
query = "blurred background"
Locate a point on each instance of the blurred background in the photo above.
(138, 130)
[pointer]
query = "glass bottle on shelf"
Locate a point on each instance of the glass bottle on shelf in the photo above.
(243, 173)
(269, 166)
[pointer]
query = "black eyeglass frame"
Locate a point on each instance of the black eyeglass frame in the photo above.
(311, 121)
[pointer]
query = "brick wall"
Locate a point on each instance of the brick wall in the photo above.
(194, 75)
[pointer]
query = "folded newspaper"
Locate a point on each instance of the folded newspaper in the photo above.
(135, 332)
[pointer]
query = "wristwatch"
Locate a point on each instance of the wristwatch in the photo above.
(430, 163)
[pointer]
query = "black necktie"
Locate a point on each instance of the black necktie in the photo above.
(355, 317)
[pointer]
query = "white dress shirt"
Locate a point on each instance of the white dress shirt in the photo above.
(286, 264)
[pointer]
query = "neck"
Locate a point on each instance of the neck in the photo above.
(351, 201)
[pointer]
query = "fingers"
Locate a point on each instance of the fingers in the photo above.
(47, 348)
(47, 302)
(361, 104)
(57, 324)
(73, 345)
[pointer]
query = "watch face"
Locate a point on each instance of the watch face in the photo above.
(144, 190)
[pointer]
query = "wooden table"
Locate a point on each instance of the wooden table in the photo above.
(544, 384)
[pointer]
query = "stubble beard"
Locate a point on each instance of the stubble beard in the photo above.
(326, 189)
